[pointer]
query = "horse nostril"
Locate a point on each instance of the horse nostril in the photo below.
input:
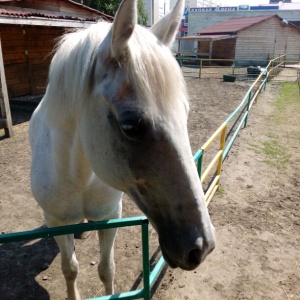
(194, 257)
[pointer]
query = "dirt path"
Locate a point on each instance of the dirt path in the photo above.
(256, 213)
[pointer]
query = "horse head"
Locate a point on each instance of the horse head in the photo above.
(134, 131)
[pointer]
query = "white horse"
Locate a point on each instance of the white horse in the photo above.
(114, 120)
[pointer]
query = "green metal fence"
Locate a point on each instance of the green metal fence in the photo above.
(225, 145)
(239, 117)
(148, 278)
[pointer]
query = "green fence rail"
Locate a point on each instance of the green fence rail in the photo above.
(149, 278)
(242, 111)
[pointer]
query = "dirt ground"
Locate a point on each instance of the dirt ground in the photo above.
(255, 212)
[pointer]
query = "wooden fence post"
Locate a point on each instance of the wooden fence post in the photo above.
(5, 115)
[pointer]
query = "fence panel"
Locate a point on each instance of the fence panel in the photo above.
(225, 145)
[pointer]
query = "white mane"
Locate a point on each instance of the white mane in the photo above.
(148, 64)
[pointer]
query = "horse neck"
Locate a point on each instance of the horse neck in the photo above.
(68, 156)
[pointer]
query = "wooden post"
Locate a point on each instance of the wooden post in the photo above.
(210, 50)
(5, 116)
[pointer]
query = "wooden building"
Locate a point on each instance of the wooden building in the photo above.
(259, 38)
(29, 30)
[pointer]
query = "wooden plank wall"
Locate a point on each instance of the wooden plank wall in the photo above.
(203, 47)
(288, 42)
(15, 60)
(267, 40)
(5, 114)
(27, 53)
(40, 42)
(257, 42)
(224, 48)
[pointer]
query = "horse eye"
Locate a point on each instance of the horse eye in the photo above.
(133, 129)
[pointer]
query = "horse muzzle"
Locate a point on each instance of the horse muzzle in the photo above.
(187, 256)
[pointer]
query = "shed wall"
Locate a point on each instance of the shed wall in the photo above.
(221, 49)
(224, 49)
(257, 41)
(267, 40)
(27, 53)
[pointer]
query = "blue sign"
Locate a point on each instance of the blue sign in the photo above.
(218, 8)
(243, 7)
(233, 8)
(264, 7)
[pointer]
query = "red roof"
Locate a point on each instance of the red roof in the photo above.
(27, 14)
(212, 37)
(24, 12)
(233, 25)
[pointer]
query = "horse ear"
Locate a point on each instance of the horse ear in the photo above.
(123, 26)
(165, 29)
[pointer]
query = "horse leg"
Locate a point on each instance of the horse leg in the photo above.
(106, 267)
(82, 235)
(69, 264)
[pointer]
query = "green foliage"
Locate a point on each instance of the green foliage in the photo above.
(110, 7)
(142, 14)
(220, 191)
(286, 113)
(289, 95)
(275, 153)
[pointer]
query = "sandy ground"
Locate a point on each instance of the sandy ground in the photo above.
(256, 213)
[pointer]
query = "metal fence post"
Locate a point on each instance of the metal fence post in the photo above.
(248, 106)
(200, 163)
(222, 146)
(200, 68)
(146, 261)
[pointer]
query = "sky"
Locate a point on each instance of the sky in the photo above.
(240, 2)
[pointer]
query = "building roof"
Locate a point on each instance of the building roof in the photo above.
(233, 25)
(207, 37)
(29, 14)
(26, 11)
(295, 23)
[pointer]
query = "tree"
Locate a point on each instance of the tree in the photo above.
(142, 14)
(110, 7)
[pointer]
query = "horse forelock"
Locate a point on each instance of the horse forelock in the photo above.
(154, 71)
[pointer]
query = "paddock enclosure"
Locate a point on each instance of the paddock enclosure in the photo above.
(200, 132)
(35, 266)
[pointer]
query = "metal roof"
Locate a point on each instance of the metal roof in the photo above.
(26, 12)
(233, 25)
(208, 37)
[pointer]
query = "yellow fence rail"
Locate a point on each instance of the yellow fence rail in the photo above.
(215, 166)
(242, 113)
(215, 68)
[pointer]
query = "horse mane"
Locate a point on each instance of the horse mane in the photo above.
(150, 67)
(155, 72)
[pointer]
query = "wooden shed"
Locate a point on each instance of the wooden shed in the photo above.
(259, 38)
(29, 29)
